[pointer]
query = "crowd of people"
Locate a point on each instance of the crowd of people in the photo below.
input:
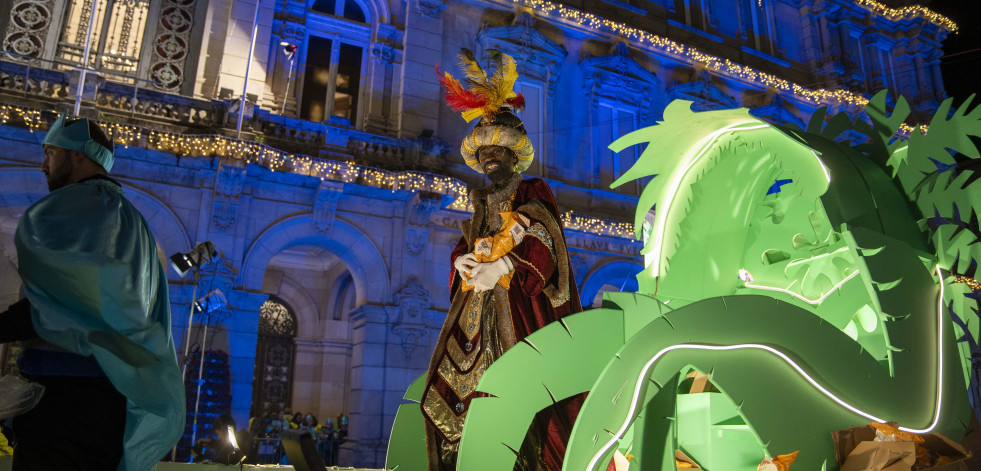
(266, 432)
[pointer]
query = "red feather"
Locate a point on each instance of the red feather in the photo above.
(518, 102)
(457, 97)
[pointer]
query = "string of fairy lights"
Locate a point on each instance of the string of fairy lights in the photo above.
(597, 226)
(721, 65)
(210, 145)
(908, 12)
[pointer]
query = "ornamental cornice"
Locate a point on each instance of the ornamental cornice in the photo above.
(616, 78)
(588, 22)
(908, 12)
(540, 57)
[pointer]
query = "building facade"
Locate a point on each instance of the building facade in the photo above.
(336, 205)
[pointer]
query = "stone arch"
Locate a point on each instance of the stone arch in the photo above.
(375, 11)
(167, 229)
(363, 259)
(22, 186)
(613, 271)
(304, 308)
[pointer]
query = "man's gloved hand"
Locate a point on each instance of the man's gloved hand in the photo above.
(464, 264)
(485, 275)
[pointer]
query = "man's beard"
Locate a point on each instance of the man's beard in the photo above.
(499, 175)
(59, 178)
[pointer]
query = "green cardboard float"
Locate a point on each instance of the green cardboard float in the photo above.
(819, 285)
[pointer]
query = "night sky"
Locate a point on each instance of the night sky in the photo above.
(961, 64)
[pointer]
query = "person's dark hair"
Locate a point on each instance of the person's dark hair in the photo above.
(98, 135)
(223, 422)
(310, 416)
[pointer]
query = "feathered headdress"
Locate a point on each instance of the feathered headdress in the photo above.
(494, 99)
(486, 95)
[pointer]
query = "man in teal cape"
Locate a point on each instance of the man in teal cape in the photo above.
(96, 319)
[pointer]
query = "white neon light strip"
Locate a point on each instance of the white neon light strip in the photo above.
(800, 297)
(795, 366)
(827, 175)
(661, 223)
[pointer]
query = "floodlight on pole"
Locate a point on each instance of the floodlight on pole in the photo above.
(183, 263)
(209, 303)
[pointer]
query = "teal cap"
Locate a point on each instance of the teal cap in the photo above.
(73, 134)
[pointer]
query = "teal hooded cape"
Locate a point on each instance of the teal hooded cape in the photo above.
(90, 269)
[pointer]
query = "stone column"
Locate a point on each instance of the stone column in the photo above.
(321, 377)
(378, 116)
(422, 46)
(392, 346)
(243, 328)
(372, 335)
(939, 91)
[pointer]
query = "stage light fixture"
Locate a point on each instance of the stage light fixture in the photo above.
(210, 302)
(200, 255)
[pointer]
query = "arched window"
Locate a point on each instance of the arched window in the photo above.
(348, 9)
(334, 58)
(619, 93)
(117, 35)
(273, 378)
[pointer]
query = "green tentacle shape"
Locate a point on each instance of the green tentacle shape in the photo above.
(811, 280)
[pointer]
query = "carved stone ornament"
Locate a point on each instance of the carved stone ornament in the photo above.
(293, 31)
(412, 337)
(619, 80)
(775, 112)
(579, 267)
(383, 52)
(705, 94)
(28, 26)
(218, 274)
(426, 203)
(538, 57)
(416, 240)
(325, 205)
(413, 302)
(229, 181)
(421, 208)
(431, 8)
(223, 214)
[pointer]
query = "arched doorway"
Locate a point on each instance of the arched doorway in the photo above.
(273, 379)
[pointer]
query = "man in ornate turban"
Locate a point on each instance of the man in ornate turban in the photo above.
(511, 276)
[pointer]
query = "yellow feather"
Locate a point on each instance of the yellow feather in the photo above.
(470, 115)
(502, 82)
(470, 67)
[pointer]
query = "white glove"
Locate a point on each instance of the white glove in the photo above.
(464, 264)
(485, 275)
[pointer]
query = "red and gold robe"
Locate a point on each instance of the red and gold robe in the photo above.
(480, 327)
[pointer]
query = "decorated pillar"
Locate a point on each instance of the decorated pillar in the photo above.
(170, 47)
(379, 116)
(372, 336)
(392, 346)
